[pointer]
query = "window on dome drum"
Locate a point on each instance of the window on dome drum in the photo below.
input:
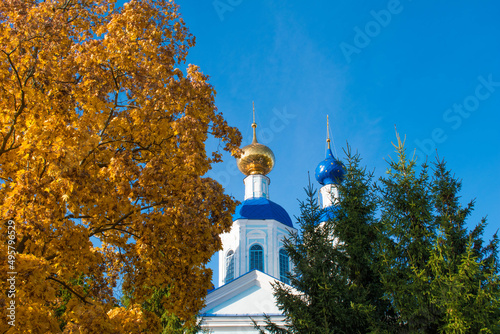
(256, 258)
(229, 266)
(284, 266)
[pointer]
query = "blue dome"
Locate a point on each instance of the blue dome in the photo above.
(262, 208)
(330, 170)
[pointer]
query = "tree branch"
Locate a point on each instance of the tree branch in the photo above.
(66, 286)
(72, 216)
(13, 68)
(118, 229)
(22, 244)
(12, 127)
(113, 226)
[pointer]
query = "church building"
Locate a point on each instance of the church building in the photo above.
(253, 257)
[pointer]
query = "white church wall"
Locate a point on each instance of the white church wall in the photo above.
(243, 235)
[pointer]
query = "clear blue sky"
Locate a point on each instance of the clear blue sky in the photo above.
(431, 68)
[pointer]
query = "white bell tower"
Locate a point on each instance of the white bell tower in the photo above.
(260, 225)
(253, 257)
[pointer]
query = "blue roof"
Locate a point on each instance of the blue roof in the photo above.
(262, 208)
(330, 170)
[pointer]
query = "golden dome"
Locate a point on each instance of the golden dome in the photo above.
(256, 158)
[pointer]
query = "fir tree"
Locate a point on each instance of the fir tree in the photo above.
(438, 276)
(337, 288)
(462, 275)
(407, 228)
(318, 306)
(414, 268)
(356, 229)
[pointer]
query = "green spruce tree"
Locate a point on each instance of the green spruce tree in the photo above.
(412, 268)
(462, 273)
(407, 231)
(356, 228)
(315, 304)
(438, 277)
(337, 289)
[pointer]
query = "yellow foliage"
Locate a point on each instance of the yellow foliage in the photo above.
(103, 139)
(133, 320)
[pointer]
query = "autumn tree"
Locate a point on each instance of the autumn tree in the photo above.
(102, 164)
(170, 323)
